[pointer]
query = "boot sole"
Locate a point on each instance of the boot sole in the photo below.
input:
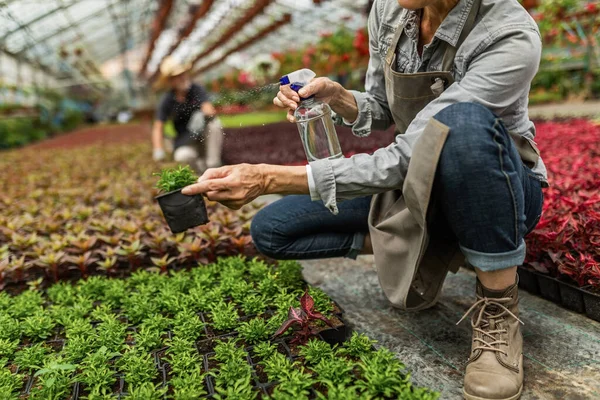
(471, 397)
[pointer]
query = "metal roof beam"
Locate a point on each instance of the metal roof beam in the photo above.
(38, 19)
(160, 21)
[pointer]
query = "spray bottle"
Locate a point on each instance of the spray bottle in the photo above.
(314, 120)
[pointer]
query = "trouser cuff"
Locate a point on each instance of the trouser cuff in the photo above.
(495, 261)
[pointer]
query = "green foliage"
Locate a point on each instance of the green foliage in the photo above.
(255, 330)
(7, 349)
(137, 367)
(78, 346)
(157, 323)
(38, 326)
(240, 389)
(189, 385)
(10, 327)
(16, 132)
(146, 391)
(254, 304)
(26, 304)
(188, 325)
(62, 293)
(31, 357)
(316, 350)
(111, 334)
(10, 384)
(323, 303)
(148, 339)
(290, 275)
(96, 372)
(224, 316)
(265, 349)
(54, 381)
(175, 178)
(358, 345)
(382, 374)
(334, 370)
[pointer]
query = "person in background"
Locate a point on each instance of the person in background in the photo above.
(199, 137)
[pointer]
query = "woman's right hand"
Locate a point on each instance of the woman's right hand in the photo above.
(324, 90)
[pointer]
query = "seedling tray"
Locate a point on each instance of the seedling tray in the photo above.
(560, 292)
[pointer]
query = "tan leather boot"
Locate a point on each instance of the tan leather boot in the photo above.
(495, 367)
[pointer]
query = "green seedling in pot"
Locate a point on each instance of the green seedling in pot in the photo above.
(138, 368)
(176, 178)
(38, 326)
(32, 357)
(189, 385)
(255, 330)
(146, 391)
(181, 212)
(357, 346)
(316, 350)
(53, 381)
(10, 384)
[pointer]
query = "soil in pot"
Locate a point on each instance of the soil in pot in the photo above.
(182, 212)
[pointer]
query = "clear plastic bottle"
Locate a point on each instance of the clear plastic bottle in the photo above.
(317, 130)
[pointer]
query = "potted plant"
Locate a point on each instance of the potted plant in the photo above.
(181, 212)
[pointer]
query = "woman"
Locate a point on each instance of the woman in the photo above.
(463, 172)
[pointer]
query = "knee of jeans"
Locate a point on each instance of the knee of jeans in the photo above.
(264, 235)
(185, 154)
(471, 129)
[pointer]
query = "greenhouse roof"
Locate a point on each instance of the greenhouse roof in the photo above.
(73, 39)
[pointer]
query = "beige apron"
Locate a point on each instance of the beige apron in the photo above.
(413, 252)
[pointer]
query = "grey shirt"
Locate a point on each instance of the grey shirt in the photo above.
(494, 67)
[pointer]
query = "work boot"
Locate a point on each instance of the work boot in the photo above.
(495, 367)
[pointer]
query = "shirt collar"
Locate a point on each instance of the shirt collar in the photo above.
(452, 26)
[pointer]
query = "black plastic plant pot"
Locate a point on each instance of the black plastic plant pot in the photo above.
(337, 335)
(549, 288)
(572, 297)
(592, 305)
(528, 281)
(182, 212)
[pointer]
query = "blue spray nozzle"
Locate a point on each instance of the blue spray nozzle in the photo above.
(296, 86)
(284, 80)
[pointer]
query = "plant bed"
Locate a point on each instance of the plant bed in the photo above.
(566, 294)
(151, 342)
(564, 245)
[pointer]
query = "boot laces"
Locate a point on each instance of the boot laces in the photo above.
(485, 311)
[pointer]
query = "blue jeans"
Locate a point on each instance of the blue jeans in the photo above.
(487, 196)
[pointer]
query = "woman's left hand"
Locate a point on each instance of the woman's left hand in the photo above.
(232, 185)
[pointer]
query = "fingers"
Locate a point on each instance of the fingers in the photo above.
(314, 87)
(215, 173)
(290, 116)
(287, 91)
(287, 101)
(211, 185)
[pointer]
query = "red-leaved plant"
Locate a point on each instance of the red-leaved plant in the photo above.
(303, 317)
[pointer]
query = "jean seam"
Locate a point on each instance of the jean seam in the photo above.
(510, 187)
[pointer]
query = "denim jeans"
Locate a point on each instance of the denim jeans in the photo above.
(488, 209)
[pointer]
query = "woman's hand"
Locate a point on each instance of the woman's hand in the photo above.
(324, 89)
(232, 185)
(237, 185)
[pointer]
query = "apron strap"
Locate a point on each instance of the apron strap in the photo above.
(391, 53)
(450, 53)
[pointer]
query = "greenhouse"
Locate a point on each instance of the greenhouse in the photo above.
(299, 199)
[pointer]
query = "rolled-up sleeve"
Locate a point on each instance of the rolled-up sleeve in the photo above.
(495, 78)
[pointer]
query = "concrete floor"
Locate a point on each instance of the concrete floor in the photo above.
(562, 348)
